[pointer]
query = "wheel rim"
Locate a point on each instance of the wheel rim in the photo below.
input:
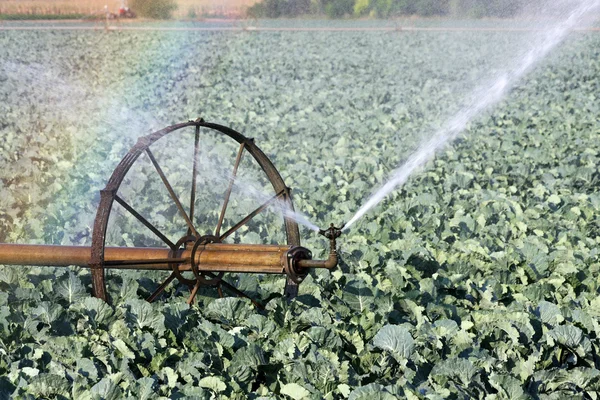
(109, 195)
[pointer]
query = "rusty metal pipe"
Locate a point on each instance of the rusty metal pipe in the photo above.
(213, 257)
(62, 256)
(332, 233)
(209, 257)
(330, 263)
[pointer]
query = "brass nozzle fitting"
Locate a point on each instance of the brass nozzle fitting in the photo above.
(331, 233)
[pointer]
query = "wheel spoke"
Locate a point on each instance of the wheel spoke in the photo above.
(160, 289)
(237, 291)
(171, 192)
(194, 292)
(229, 188)
(194, 174)
(246, 219)
(144, 221)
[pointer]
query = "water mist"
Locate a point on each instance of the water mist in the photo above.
(560, 18)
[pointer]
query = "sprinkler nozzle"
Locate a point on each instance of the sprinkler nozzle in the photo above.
(332, 232)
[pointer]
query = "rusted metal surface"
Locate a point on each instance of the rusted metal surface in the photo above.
(332, 233)
(210, 257)
(109, 196)
(194, 259)
(200, 245)
(60, 256)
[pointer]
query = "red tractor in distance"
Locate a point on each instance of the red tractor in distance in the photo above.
(125, 12)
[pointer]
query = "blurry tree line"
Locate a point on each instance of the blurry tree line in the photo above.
(386, 8)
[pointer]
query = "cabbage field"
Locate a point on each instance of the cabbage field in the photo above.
(480, 278)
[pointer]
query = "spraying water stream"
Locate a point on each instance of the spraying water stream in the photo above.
(570, 16)
(252, 190)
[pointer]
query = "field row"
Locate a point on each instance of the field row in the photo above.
(477, 279)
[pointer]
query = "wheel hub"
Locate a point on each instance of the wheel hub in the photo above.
(198, 247)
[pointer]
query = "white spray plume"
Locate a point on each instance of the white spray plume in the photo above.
(251, 189)
(570, 15)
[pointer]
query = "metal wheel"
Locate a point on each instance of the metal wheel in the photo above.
(192, 138)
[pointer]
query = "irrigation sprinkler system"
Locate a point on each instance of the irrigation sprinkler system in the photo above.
(197, 258)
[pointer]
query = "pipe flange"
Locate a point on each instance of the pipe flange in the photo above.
(292, 270)
(202, 278)
(175, 266)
